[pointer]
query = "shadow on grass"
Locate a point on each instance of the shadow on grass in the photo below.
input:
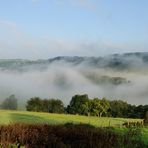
(30, 119)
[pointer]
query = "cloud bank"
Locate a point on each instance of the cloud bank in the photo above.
(62, 79)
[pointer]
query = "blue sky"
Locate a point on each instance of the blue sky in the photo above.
(35, 29)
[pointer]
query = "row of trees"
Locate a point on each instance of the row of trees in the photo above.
(79, 104)
(82, 105)
(45, 105)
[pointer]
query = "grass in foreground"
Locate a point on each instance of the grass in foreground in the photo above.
(36, 118)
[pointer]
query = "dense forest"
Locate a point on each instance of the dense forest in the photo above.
(81, 105)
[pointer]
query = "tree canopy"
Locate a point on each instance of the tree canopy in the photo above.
(45, 105)
(83, 105)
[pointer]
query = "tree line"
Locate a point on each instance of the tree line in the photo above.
(80, 104)
(83, 105)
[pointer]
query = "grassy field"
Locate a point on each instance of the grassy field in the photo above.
(8, 117)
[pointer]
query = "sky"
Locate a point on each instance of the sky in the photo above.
(41, 29)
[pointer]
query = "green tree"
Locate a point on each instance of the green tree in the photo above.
(44, 105)
(78, 104)
(140, 110)
(10, 103)
(98, 107)
(55, 106)
(94, 107)
(86, 108)
(104, 106)
(118, 108)
(34, 104)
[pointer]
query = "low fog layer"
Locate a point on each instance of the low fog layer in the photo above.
(114, 77)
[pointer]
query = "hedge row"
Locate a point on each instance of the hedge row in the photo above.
(66, 136)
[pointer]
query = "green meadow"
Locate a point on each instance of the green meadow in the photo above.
(8, 117)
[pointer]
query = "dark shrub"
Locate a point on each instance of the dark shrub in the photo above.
(66, 136)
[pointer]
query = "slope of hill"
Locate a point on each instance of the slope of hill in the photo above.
(116, 61)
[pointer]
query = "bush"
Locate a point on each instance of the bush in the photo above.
(66, 136)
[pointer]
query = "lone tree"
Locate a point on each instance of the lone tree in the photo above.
(9, 103)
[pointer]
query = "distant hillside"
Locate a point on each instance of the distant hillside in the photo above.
(123, 76)
(116, 61)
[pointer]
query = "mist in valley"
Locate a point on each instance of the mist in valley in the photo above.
(62, 78)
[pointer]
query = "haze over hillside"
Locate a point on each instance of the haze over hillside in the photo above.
(118, 76)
